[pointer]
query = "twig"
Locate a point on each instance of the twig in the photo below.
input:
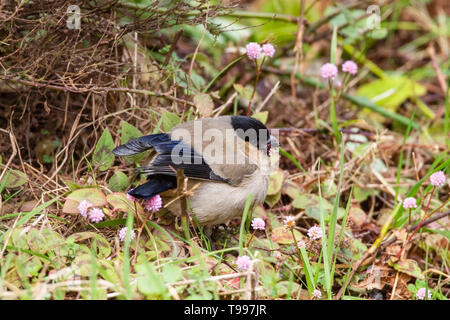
(94, 89)
(298, 48)
(271, 93)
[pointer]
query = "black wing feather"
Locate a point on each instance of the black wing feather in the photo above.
(141, 144)
(163, 164)
(157, 184)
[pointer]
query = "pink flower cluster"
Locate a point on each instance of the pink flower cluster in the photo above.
(154, 203)
(438, 179)
(422, 292)
(315, 233)
(87, 210)
(243, 262)
(254, 50)
(317, 294)
(123, 233)
(409, 203)
(330, 71)
(258, 224)
(301, 244)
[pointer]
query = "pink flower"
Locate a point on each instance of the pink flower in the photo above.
(96, 215)
(317, 294)
(350, 67)
(123, 233)
(421, 294)
(328, 71)
(130, 197)
(437, 179)
(301, 244)
(253, 50)
(154, 203)
(315, 233)
(409, 203)
(83, 208)
(243, 263)
(289, 222)
(268, 50)
(258, 224)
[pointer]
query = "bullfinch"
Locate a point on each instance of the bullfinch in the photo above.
(226, 159)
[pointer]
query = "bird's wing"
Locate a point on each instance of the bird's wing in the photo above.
(171, 155)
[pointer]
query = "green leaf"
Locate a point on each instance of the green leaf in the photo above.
(103, 156)
(37, 241)
(281, 236)
(361, 194)
(118, 182)
(14, 179)
(102, 245)
(391, 92)
(169, 120)
(261, 116)
(410, 267)
(245, 93)
(275, 183)
(171, 273)
(94, 196)
(150, 283)
(129, 132)
(120, 202)
(28, 267)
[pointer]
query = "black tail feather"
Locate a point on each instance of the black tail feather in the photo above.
(141, 144)
(157, 184)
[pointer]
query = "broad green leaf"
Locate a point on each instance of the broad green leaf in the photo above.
(353, 251)
(37, 241)
(28, 266)
(169, 120)
(103, 156)
(275, 183)
(103, 247)
(129, 132)
(150, 283)
(310, 203)
(361, 194)
(271, 200)
(261, 116)
(245, 93)
(391, 92)
(94, 196)
(171, 273)
(118, 182)
(410, 267)
(18, 238)
(14, 179)
(120, 202)
(281, 236)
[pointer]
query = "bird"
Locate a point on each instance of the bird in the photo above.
(225, 159)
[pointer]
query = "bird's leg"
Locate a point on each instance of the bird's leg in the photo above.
(208, 232)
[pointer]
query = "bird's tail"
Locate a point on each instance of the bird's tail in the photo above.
(157, 184)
